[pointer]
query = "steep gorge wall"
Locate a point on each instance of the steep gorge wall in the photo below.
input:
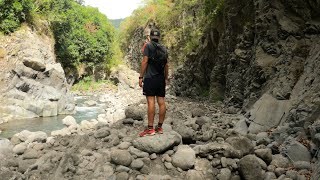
(260, 54)
(32, 83)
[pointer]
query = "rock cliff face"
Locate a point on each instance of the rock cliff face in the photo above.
(263, 57)
(32, 83)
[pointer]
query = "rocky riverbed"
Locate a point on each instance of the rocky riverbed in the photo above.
(201, 140)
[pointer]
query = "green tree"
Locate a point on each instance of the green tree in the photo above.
(13, 13)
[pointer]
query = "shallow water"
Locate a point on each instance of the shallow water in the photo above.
(48, 124)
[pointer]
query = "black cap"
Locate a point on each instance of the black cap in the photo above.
(155, 34)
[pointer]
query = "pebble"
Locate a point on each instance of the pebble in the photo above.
(168, 165)
(153, 156)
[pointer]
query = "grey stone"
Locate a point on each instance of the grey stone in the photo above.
(128, 121)
(153, 156)
(168, 165)
(279, 161)
(170, 152)
(184, 158)
(298, 152)
(202, 120)
(90, 103)
(241, 143)
(5, 147)
(224, 162)
(122, 176)
(69, 120)
(166, 157)
(264, 154)
(280, 171)
(124, 145)
(31, 154)
(135, 112)
(270, 176)
(137, 164)
(20, 148)
(235, 177)
(35, 65)
(197, 112)
(157, 143)
(268, 112)
(262, 138)
(122, 169)
(102, 133)
(292, 174)
(213, 148)
(138, 153)
(187, 133)
(241, 127)
(38, 136)
(121, 157)
(300, 165)
(225, 174)
(25, 164)
(250, 168)
(194, 175)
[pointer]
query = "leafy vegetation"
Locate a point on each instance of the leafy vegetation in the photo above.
(87, 84)
(83, 36)
(13, 13)
(182, 23)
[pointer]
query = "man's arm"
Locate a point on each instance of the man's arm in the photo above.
(144, 65)
(166, 71)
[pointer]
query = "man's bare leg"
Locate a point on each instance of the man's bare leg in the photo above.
(162, 109)
(151, 110)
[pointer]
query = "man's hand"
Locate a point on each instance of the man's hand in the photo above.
(140, 82)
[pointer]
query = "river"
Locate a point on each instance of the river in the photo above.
(48, 124)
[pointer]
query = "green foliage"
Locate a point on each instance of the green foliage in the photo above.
(13, 13)
(87, 84)
(183, 23)
(82, 34)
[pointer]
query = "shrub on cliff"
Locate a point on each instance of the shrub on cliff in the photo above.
(13, 13)
(84, 37)
(182, 23)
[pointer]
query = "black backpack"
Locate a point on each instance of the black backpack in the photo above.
(159, 58)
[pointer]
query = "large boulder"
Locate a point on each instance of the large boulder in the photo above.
(121, 157)
(250, 168)
(32, 83)
(38, 136)
(135, 112)
(69, 120)
(20, 148)
(184, 158)
(268, 112)
(35, 65)
(224, 149)
(157, 143)
(297, 152)
(241, 143)
(5, 146)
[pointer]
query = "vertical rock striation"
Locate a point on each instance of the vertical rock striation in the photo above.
(32, 83)
(256, 55)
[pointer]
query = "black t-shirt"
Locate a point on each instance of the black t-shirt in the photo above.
(149, 50)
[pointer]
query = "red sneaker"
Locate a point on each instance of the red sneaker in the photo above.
(159, 130)
(147, 132)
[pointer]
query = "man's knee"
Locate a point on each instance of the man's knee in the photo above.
(161, 101)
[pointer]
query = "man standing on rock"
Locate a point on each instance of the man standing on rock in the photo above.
(153, 78)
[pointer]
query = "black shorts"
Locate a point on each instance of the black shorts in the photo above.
(154, 86)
